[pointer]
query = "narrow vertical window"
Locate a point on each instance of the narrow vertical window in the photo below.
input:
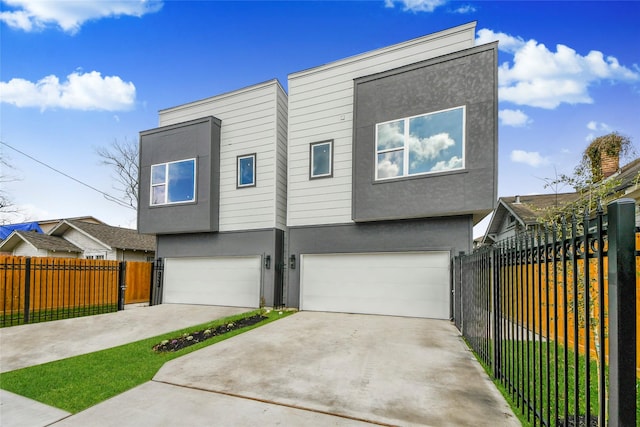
(247, 171)
(321, 160)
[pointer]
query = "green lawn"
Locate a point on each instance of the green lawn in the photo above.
(537, 390)
(77, 383)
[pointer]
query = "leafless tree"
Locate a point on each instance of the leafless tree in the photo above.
(8, 210)
(122, 157)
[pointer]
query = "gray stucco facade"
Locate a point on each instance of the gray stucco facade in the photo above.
(196, 139)
(467, 78)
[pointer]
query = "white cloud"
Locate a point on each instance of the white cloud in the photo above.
(70, 15)
(515, 118)
(531, 158)
(416, 5)
(453, 163)
(88, 91)
(539, 77)
(595, 126)
(388, 169)
(429, 148)
(463, 10)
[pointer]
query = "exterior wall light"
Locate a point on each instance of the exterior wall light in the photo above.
(292, 262)
(267, 262)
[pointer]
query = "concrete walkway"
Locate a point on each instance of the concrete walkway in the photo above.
(34, 344)
(315, 369)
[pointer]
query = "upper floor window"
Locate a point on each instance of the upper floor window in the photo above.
(423, 144)
(321, 159)
(173, 182)
(247, 171)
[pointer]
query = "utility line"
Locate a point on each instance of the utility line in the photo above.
(106, 195)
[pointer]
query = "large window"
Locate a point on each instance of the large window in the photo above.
(173, 182)
(423, 144)
(247, 171)
(321, 159)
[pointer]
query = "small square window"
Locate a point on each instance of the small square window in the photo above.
(321, 160)
(247, 171)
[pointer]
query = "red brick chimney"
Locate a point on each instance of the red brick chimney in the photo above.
(609, 164)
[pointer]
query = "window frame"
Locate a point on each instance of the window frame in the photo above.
(255, 168)
(166, 182)
(328, 142)
(405, 147)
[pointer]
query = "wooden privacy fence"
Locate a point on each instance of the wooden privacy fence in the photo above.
(40, 289)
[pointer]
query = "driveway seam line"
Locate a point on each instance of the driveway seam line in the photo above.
(270, 402)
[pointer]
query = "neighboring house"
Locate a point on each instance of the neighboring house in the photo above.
(358, 204)
(50, 224)
(81, 239)
(213, 190)
(629, 177)
(517, 213)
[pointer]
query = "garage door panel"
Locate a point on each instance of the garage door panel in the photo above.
(228, 281)
(406, 284)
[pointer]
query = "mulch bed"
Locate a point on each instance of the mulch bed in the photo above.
(192, 338)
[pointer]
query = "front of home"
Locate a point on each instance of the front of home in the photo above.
(352, 193)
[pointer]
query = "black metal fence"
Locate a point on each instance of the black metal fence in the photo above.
(553, 315)
(41, 289)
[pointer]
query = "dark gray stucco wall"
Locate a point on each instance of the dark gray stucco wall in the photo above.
(199, 139)
(466, 78)
(241, 243)
(452, 234)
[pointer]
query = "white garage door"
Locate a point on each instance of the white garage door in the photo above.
(227, 281)
(414, 284)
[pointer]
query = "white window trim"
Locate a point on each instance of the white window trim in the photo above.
(405, 154)
(166, 184)
(255, 180)
(311, 158)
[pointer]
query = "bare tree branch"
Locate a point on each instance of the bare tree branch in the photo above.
(122, 158)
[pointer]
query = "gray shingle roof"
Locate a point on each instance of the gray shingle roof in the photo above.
(117, 237)
(530, 208)
(47, 242)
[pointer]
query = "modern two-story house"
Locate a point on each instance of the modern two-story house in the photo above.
(213, 191)
(352, 194)
(392, 159)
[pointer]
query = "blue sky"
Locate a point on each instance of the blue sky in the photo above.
(76, 75)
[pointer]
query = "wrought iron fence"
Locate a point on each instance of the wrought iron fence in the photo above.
(42, 289)
(34, 289)
(553, 315)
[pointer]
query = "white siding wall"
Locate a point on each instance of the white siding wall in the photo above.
(321, 108)
(250, 124)
(25, 249)
(88, 245)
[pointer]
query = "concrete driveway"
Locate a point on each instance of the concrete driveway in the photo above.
(318, 369)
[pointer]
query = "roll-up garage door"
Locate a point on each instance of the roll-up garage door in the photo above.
(226, 281)
(414, 284)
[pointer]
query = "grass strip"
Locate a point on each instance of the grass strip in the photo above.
(76, 383)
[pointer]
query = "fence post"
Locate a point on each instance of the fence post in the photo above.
(121, 284)
(27, 289)
(622, 313)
